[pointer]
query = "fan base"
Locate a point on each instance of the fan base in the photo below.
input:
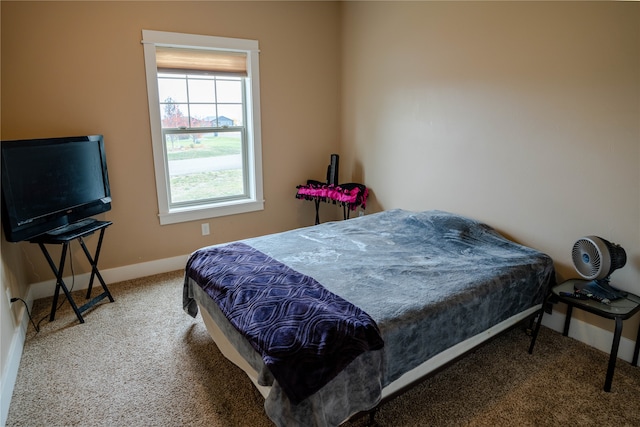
(601, 289)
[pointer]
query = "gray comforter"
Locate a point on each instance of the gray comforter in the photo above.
(429, 280)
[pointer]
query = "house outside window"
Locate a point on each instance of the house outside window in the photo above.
(205, 124)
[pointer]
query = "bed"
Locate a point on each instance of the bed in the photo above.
(327, 321)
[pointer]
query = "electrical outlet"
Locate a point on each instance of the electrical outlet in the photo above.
(205, 229)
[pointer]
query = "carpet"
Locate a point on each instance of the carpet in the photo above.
(142, 361)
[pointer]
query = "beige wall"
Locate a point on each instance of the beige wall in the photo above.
(523, 114)
(73, 68)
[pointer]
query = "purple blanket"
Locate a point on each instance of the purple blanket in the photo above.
(305, 334)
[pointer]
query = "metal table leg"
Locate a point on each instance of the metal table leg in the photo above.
(634, 361)
(58, 271)
(94, 265)
(537, 329)
(567, 320)
(614, 355)
(317, 211)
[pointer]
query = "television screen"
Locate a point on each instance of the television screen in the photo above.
(51, 183)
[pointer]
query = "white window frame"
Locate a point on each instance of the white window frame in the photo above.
(254, 201)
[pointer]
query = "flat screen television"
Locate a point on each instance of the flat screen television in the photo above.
(51, 183)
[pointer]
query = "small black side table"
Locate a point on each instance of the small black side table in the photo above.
(619, 310)
(64, 239)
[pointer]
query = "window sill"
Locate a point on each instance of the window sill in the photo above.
(196, 213)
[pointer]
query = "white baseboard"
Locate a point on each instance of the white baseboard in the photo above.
(591, 335)
(12, 363)
(113, 275)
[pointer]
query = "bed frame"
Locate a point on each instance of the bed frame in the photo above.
(398, 387)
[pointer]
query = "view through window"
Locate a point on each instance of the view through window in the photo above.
(204, 137)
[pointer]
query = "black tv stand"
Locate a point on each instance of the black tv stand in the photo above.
(64, 237)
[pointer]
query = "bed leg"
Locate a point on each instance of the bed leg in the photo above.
(536, 330)
(372, 418)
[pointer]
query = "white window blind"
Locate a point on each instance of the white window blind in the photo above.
(181, 60)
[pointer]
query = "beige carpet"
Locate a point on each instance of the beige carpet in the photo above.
(141, 361)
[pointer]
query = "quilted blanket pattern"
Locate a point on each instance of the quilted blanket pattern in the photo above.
(305, 334)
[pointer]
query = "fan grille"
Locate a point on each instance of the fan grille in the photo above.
(587, 258)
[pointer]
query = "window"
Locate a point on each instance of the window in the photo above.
(205, 124)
